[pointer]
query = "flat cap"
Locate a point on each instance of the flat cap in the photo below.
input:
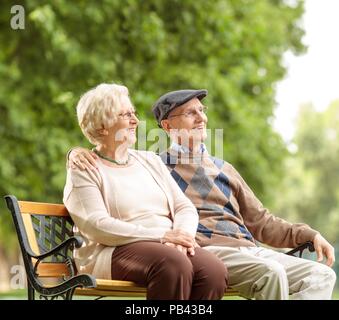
(171, 100)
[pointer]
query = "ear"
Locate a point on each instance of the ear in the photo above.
(165, 125)
(103, 132)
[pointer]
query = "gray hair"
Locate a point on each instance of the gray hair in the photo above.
(99, 108)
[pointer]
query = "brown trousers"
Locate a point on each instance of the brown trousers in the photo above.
(169, 274)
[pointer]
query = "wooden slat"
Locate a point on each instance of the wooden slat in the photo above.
(30, 233)
(116, 288)
(231, 292)
(107, 293)
(103, 284)
(51, 209)
(51, 269)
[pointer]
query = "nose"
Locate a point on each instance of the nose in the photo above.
(201, 116)
(134, 119)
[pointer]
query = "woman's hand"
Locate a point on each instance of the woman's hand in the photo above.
(180, 240)
(184, 250)
(178, 237)
(82, 159)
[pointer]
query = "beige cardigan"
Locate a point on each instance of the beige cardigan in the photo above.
(90, 199)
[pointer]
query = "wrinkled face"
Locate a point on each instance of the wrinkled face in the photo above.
(187, 124)
(124, 130)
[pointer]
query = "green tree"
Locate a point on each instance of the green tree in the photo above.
(311, 186)
(309, 191)
(231, 47)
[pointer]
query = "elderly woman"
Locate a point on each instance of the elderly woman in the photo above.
(136, 223)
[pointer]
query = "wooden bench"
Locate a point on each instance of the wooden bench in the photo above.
(45, 234)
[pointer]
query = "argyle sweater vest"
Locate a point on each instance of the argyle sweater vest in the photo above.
(206, 181)
(229, 212)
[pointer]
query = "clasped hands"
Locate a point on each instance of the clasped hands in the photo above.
(181, 240)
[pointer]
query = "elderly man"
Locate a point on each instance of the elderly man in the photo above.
(231, 218)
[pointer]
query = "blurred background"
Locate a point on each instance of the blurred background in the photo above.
(271, 68)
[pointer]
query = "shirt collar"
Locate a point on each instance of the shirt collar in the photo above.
(182, 149)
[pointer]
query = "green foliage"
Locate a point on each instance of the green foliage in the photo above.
(311, 188)
(231, 47)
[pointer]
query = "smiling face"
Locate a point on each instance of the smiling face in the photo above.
(123, 132)
(186, 124)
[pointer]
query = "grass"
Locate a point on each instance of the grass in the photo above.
(336, 294)
(20, 294)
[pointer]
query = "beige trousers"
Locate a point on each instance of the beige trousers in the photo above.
(262, 273)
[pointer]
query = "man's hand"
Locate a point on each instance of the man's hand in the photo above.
(323, 248)
(82, 159)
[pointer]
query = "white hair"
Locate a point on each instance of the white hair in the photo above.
(98, 109)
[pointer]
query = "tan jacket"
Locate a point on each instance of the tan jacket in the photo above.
(90, 199)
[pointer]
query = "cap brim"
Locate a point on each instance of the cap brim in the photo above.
(200, 94)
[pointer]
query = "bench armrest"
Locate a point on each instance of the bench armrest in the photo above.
(300, 249)
(76, 241)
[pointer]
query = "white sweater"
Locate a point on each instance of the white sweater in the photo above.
(115, 206)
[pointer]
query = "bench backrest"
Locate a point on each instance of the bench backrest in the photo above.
(41, 227)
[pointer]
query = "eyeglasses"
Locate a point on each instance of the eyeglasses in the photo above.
(191, 113)
(128, 115)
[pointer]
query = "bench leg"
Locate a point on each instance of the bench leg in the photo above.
(30, 291)
(69, 294)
